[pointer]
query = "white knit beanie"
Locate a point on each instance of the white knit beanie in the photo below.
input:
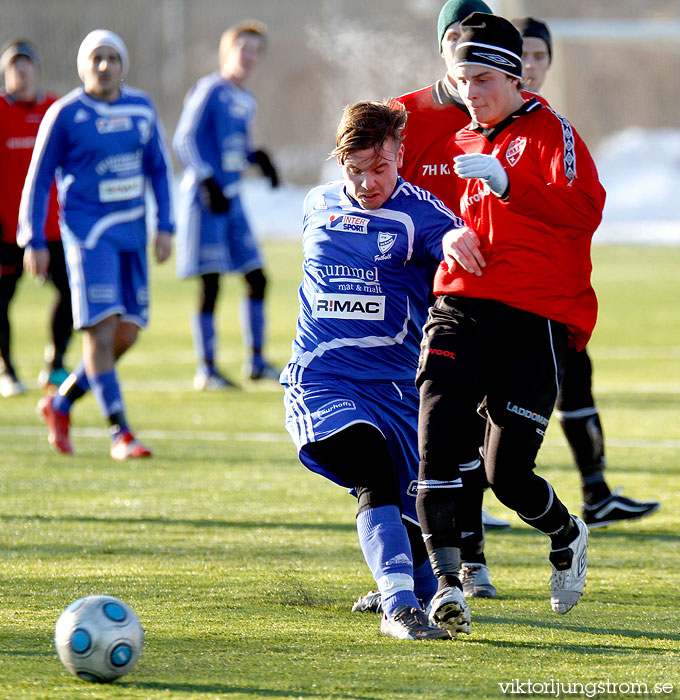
(102, 37)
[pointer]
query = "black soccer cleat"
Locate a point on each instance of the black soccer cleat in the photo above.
(615, 509)
(411, 623)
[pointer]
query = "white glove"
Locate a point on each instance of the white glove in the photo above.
(484, 167)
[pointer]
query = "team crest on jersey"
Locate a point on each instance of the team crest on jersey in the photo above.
(347, 223)
(386, 241)
(515, 150)
(112, 125)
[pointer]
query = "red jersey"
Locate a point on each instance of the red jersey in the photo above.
(19, 122)
(536, 242)
(434, 116)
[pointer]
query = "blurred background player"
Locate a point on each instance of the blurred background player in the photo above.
(575, 409)
(22, 108)
(371, 243)
(507, 304)
(212, 143)
(104, 141)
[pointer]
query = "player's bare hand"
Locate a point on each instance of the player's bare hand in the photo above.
(163, 245)
(37, 262)
(462, 247)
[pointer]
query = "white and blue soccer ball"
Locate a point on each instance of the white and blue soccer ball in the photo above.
(99, 638)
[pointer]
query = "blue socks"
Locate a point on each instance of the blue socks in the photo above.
(384, 543)
(425, 583)
(106, 390)
(75, 385)
(203, 332)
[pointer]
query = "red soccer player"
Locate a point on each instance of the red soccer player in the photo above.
(22, 108)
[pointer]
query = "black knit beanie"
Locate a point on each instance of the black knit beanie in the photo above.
(489, 40)
(528, 26)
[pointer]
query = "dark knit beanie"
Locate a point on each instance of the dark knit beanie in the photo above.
(528, 26)
(489, 40)
(457, 11)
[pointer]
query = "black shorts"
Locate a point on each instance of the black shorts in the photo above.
(576, 391)
(481, 355)
(11, 260)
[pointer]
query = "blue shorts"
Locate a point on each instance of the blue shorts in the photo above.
(320, 408)
(209, 242)
(105, 281)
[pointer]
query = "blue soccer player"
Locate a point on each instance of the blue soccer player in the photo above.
(212, 142)
(371, 243)
(103, 142)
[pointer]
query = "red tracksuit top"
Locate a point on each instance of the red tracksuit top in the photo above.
(19, 122)
(536, 242)
(433, 118)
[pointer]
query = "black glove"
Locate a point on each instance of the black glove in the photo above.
(212, 197)
(267, 167)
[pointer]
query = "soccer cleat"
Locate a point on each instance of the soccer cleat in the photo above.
(10, 385)
(212, 381)
(371, 602)
(125, 446)
(491, 523)
(569, 567)
(449, 611)
(615, 509)
(476, 581)
(57, 425)
(410, 623)
(52, 379)
(261, 369)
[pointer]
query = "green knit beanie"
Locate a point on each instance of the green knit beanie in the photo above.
(457, 11)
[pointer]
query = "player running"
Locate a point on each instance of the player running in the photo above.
(22, 108)
(510, 296)
(103, 141)
(371, 243)
(212, 142)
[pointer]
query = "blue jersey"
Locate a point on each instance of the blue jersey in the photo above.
(367, 275)
(103, 154)
(213, 134)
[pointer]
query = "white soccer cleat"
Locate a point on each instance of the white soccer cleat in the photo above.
(449, 611)
(570, 565)
(476, 581)
(491, 523)
(410, 623)
(10, 386)
(212, 381)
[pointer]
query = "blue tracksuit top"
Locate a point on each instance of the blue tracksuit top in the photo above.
(102, 154)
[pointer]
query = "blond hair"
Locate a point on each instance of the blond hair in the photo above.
(248, 26)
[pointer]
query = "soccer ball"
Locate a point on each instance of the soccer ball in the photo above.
(99, 638)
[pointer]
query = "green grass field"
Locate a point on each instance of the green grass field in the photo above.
(243, 566)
